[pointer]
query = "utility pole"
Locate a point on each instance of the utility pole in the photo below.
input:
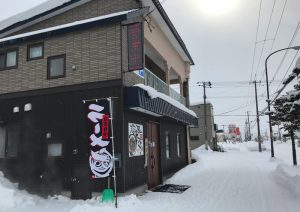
(293, 148)
(204, 85)
(246, 131)
(279, 133)
(249, 130)
(257, 118)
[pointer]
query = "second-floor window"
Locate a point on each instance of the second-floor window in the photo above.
(9, 59)
(56, 66)
(2, 61)
(35, 51)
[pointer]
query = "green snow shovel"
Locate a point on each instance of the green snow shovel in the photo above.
(108, 194)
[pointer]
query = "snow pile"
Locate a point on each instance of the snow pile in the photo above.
(230, 146)
(125, 204)
(48, 5)
(183, 176)
(11, 197)
(253, 146)
(289, 178)
(196, 153)
(155, 94)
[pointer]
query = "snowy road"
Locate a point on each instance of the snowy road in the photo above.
(235, 181)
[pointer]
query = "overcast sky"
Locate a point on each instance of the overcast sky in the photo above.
(221, 39)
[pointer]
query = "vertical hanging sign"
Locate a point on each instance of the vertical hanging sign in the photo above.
(99, 131)
(135, 47)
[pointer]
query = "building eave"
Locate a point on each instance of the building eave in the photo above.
(164, 22)
(70, 27)
(32, 16)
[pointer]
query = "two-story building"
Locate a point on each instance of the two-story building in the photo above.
(59, 62)
(204, 132)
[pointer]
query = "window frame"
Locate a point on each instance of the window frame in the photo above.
(29, 46)
(195, 138)
(4, 54)
(168, 135)
(62, 56)
(56, 141)
(178, 145)
(5, 59)
(7, 153)
(4, 142)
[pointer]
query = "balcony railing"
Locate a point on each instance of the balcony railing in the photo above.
(159, 85)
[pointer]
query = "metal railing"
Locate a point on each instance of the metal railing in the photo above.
(153, 81)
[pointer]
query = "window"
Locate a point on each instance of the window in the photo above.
(2, 61)
(178, 145)
(13, 137)
(55, 149)
(167, 145)
(56, 66)
(35, 51)
(9, 59)
(194, 138)
(2, 141)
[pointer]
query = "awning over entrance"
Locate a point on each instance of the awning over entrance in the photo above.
(138, 99)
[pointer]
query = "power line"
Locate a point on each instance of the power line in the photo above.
(286, 52)
(275, 36)
(235, 115)
(230, 97)
(284, 57)
(288, 69)
(254, 53)
(256, 36)
(265, 39)
(233, 83)
(278, 26)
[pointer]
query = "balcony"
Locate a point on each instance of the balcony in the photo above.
(159, 85)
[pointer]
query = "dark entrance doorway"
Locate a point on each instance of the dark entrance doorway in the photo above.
(154, 178)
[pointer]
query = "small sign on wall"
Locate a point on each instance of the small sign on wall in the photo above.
(140, 73)
(135, 139)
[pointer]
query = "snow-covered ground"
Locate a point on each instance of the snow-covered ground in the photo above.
(238, 180)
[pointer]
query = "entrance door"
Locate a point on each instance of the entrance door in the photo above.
(154, 155)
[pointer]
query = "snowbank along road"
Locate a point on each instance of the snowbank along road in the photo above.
(238, 180)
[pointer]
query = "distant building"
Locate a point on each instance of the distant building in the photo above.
(234, 133)
(197, 134)
(220, 136)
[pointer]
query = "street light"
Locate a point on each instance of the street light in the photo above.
(268, 93)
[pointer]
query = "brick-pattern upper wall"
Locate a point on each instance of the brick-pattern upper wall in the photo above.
(91, 9)
(96, 54)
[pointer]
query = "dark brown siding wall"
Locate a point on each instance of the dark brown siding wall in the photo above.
(95, 53)
(91, 9)
(174, 163)
(135, 172)
(64, 116)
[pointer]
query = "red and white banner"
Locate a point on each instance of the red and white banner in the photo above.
(99, 129)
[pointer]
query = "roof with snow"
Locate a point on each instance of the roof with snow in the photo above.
(52, 8)
(119, 16)
(36, 14)
(147, 100)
